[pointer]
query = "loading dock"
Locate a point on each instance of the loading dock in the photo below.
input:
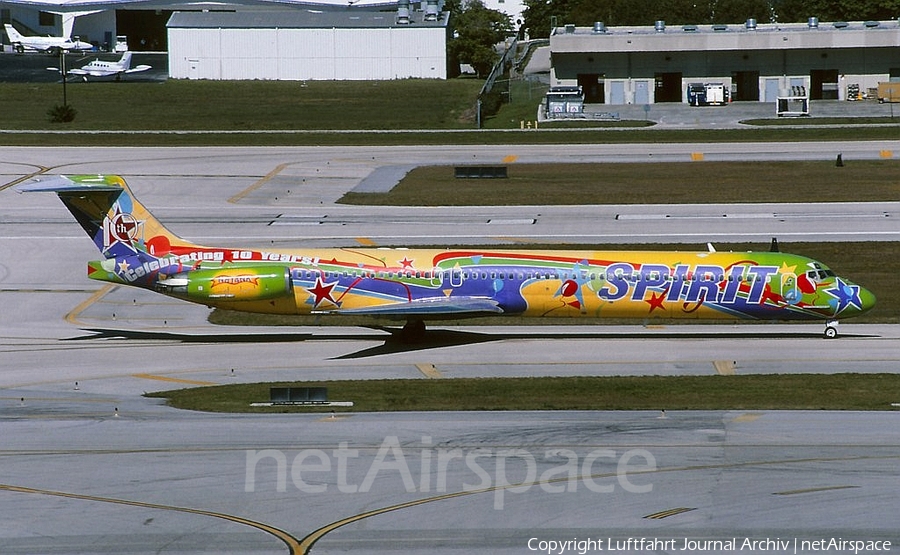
(754, 60)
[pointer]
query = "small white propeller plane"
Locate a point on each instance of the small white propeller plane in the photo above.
(45, 44)
(99, 68)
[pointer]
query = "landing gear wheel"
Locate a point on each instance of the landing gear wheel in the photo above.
(830, 332)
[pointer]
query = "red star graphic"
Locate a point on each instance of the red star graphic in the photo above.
(656, 301)
(406, 263)
(322, 291)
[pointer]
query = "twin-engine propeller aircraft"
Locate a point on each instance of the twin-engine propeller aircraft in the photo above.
(45, 44)
(100, 68)
(428, 284)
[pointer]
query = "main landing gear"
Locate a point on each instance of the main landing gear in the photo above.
(831, 331)
(413, 331)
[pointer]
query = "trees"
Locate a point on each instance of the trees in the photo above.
(477, 29)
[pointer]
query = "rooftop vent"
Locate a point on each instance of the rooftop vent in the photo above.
(570, 28)
(660, 26)
(689, 28)
(813, 22)
(431, 10)
(720, 27)
(403, 12)
(872, 24)
(840, 24)
(599, 27)
(751, 24)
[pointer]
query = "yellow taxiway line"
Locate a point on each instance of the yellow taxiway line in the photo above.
(289, 540)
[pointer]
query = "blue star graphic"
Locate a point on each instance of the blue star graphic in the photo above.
(845, 295)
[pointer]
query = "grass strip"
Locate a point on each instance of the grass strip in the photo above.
(665, 182)
(753, 392)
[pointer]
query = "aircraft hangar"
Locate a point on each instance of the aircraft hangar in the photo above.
(309, 44)
(756, 62)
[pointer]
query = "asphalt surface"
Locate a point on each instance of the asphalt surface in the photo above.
(31, 67)
(91, 466)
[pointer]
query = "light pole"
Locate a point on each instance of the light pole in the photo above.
(62, 71)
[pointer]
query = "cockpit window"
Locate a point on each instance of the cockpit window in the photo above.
(819, 275)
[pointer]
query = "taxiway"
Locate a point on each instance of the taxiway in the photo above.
(91, 466)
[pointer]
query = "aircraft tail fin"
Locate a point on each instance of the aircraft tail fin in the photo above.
(125, 62)
(110, 214)
(13, 35)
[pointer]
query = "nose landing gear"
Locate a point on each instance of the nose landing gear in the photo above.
(831, 330)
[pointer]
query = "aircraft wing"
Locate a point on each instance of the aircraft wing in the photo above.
(462, 306)
(142, 67)
(93, 72)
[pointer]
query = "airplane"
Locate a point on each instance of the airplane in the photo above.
(416, 285)
(99, 68)
(46, 44)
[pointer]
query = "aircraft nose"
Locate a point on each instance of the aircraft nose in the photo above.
(850, 299)
(867, 300)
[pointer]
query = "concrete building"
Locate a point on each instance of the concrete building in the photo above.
(644, 65)
(308, 44)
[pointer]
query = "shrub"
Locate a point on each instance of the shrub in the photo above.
(62, 113)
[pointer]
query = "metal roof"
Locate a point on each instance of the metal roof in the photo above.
(300, 19)
(61, 6)
(681, 38)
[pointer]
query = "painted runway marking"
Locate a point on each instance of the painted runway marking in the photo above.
(430, 371)
(307, 543)
(813, 490)
(289, 540)
(671, 512)
(72, 316)
(238, 197)
(749, 417)
(172, 380)
(725, 367)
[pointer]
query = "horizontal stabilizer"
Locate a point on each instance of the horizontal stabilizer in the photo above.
(427, 307)
(63, 184)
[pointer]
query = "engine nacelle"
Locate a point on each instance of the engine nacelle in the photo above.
(244, 283)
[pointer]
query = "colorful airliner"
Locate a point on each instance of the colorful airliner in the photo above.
(416, 285)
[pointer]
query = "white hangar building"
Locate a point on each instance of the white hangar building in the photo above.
(308, 44)
(643, 65)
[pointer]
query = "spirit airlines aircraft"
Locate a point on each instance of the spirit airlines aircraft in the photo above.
(418, 285)
(51, 44)
(99, 68)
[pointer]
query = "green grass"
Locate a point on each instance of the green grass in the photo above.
(244, 105)
(758, 392)
(367, 108)
(670, 183)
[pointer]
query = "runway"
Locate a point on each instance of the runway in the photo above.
(91, 466)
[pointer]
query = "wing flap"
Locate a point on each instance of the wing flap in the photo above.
(461, 306)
